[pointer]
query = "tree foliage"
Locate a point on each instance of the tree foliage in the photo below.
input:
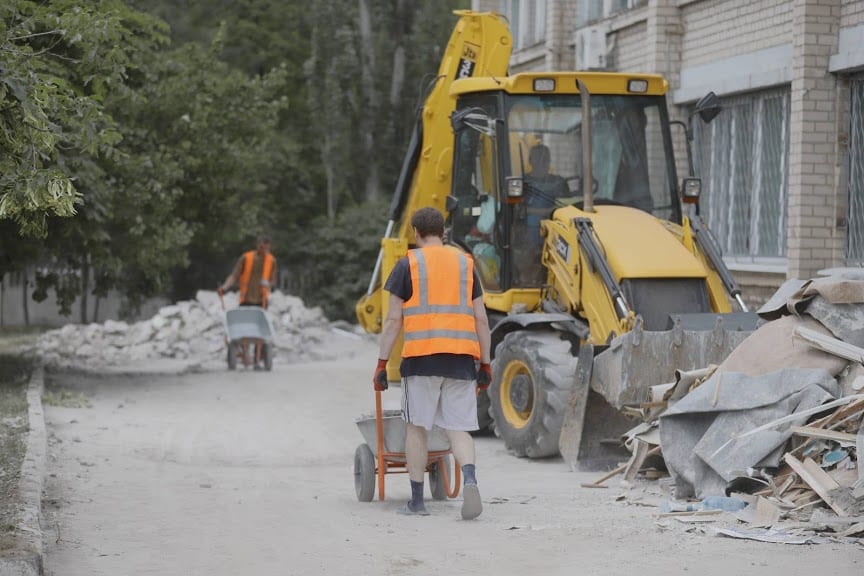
(59, 59)
(176, 130)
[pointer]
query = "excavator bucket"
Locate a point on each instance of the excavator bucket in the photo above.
(621, 375)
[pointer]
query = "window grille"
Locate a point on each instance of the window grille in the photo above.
(742, 158)
(855, 236)
(527, 21)
(588, 11)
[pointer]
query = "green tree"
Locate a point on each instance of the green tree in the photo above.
(59, 59)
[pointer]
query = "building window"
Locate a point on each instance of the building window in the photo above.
(588, 11)
(527, 21)
(742, 157)
(855, 237)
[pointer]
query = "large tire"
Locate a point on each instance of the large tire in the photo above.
(484, 415)
(532, 375)
(364, 473)
(437, 487)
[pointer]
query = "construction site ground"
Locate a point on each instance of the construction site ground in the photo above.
(247, 472)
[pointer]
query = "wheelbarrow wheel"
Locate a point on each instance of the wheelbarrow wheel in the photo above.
(439, 475)
(232, 355)
(267, 353)
(364, 473)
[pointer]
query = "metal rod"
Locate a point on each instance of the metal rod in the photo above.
(377, 269)
(587, 178)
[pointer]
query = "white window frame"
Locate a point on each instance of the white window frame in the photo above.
(726, 216)
(527, 21)
(603, 9)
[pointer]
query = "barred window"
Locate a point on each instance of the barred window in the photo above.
(855, 236)
(742, 158)
(588, 11)
(527, 21)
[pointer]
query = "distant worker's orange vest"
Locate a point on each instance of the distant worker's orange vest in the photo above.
(248, 261)
(439, 316)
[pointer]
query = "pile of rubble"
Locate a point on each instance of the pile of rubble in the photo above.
(194, 331)
(772, 437)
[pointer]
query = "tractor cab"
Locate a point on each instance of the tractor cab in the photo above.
(520, 152)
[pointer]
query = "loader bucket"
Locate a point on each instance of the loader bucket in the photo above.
(622, 374)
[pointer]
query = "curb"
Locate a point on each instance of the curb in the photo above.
(28, 560)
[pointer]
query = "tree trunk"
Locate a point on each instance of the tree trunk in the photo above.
(369, 111)
(25, 298)
(85, 285)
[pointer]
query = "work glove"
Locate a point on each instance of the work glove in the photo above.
(380, 379)
(484, 376)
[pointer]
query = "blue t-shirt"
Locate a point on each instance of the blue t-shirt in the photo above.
(459, 366)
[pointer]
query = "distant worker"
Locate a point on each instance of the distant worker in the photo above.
(255, 272)
(437, 301)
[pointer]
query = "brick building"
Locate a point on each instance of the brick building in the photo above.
(783, 165)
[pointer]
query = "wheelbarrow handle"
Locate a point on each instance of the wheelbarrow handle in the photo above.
(220, 292)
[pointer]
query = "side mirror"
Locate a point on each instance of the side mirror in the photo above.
(514, 189)
(691, 189)
(708, 107)
(451, 203)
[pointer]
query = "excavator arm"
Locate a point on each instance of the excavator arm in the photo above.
(479, 46)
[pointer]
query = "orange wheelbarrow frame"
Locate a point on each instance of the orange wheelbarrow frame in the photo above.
(396, 462)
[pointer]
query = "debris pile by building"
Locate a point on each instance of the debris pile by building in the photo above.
(772, 436)
(194, 331)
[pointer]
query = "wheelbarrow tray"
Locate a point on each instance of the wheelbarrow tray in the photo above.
(248, 322)
(394, 433)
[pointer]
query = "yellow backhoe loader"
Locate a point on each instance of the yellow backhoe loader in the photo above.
(600, 278)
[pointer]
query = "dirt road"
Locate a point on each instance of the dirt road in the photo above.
(251, 473)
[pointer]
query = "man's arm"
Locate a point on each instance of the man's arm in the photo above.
(481, 321)
(391, 328)
(235, 274)
(274, 273)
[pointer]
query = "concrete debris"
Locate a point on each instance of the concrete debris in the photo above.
(778, 424)
(194, 331)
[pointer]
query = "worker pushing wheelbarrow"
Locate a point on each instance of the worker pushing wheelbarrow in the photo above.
(436, 302)
(248, 330)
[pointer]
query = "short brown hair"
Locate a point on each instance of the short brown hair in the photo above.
(429, 222)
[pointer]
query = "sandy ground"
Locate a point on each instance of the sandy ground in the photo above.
(252, 473)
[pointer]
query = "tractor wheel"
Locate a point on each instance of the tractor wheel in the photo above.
(484, 416)
(364, 473)
(232, 355)
(532, 375)
(436, 480)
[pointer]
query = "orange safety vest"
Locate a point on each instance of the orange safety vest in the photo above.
(248, 261)
(439, 316)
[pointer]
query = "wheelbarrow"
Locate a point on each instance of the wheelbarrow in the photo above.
(248, 336)
(384, 453)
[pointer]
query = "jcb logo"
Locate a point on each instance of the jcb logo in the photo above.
(470, 52)
(563, 249)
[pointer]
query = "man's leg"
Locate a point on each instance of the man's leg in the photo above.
(458, 415)
(416, 455)
(462, 446)
(419, 402)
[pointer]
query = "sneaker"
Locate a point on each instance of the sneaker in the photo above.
(472, 506)
(409, 510)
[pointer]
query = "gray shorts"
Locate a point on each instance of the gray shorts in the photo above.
(448, 403)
